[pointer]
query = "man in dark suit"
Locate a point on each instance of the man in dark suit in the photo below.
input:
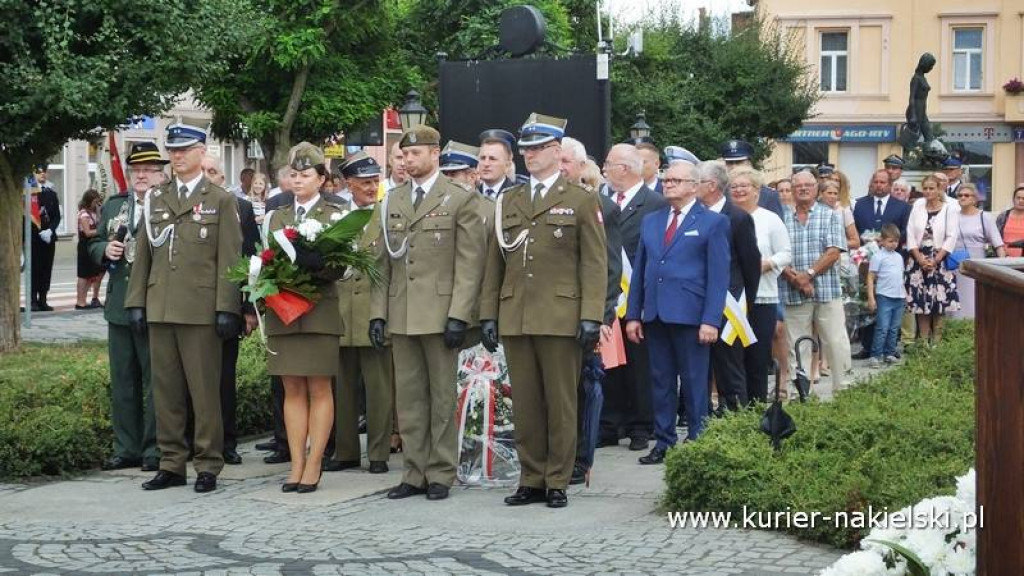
(872, 212)
(628, 388)
(676, 298)
(45, 220)
(652, 161)
(878, 208)
(727, 360)
(493, 161)
(738, 153)
(573, 160)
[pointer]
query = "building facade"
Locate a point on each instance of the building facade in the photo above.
(864, 55)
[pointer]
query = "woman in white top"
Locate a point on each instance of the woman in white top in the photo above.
(776, 253)
(931, 236)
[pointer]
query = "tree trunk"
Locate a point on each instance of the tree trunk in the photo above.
(11, 226)
(283, 141)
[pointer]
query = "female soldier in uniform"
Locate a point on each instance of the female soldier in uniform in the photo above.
(307, 349)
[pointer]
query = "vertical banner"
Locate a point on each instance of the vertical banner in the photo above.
(115, 165)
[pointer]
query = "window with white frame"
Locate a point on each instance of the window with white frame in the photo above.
(968, 52)
(834, 57)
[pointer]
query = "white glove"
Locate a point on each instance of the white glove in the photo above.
(46, 235)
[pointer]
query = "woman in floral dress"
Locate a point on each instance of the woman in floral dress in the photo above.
(931, 236)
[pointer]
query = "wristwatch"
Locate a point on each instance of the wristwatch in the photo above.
(810, 272)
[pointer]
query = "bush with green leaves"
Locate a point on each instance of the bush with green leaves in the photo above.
(901, 436)
(55, 406)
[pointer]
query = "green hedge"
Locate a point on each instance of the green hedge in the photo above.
(55, 406)
(897, 438)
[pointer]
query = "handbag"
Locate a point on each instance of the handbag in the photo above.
(958, 255)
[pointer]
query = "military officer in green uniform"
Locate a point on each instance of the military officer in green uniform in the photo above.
(359, 360)
(432, 264)
(545, 287)
(131, 396)
(179, 290)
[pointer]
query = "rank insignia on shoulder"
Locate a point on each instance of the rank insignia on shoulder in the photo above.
(561, 212)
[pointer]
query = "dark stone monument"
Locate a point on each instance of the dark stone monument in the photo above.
(920, 146)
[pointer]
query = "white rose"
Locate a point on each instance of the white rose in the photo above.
(336, 216)
(309, 229)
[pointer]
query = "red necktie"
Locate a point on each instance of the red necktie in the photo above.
(671, 231)
(619, 197)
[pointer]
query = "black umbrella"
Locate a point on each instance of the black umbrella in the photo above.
(776, 422)
(801, 378)
(593, 374)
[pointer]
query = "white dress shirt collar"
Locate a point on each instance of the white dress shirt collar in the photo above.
(427, 184)
(718, 206)
(307, 205)
(191, 184)
(547, 182)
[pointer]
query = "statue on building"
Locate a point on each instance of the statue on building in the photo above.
(917, 137)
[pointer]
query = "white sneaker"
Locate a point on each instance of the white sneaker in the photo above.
(892, 360)
(874, 363)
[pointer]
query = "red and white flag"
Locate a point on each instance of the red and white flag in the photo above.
(115, 164)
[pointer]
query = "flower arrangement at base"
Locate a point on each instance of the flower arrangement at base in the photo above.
(1014, 86)
(935, 537)
(276, 279)
(487, 451)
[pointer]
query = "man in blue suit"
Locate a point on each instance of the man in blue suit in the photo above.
(676, 298)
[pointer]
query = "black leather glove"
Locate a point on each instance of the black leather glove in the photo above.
(309, 259)
(454, 333)
(377, 333)
(228, 325)
(137, 320)
(588, 335)
(489, 334)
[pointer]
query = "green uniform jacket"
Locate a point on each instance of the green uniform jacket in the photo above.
(116, 211)
(559, 275)
(439, 277)
(324, 317)
(354, 291)
(188, 285)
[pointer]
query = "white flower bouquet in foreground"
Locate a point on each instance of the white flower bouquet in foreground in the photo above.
(935, 537)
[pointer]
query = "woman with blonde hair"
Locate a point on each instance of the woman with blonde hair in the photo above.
(258, 195)
(931, 236)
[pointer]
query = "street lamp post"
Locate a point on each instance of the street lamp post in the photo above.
(640, 129)
(412, 113)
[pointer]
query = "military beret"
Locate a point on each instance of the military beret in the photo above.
(458, 156)
(498, 135)
(893, 160)
(304, 156)
(360, 165)
(421, 135)
(952, 162)
(736, 151)
(183, 136)
(540, 129)
(826, 169)
(145, 153)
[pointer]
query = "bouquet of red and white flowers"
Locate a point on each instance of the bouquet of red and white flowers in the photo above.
(276, 279)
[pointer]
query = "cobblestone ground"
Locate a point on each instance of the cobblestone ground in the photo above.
(103, 523)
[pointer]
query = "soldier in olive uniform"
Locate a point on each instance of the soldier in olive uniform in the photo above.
(432, 265)
(359, 361)
(131, 396)
(545, 285)
(178, 288)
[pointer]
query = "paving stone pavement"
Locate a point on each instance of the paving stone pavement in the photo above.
(103, 523)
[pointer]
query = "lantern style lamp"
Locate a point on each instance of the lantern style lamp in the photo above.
(412, 113)
(640, 129)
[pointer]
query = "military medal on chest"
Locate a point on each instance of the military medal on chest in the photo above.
(558, 232)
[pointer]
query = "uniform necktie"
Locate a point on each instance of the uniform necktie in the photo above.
(671, 231)
(538, 191)
(300, 214)
(489, 192)
(183, 193)
(878, 209)
(619, 198)
(417, 198)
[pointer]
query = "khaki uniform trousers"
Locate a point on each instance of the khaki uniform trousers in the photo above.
(829, 319)
(425, 401)
(186, 360)
(375, 370)
(544, 372)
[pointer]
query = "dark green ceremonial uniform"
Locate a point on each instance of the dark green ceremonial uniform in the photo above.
(131, 395)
